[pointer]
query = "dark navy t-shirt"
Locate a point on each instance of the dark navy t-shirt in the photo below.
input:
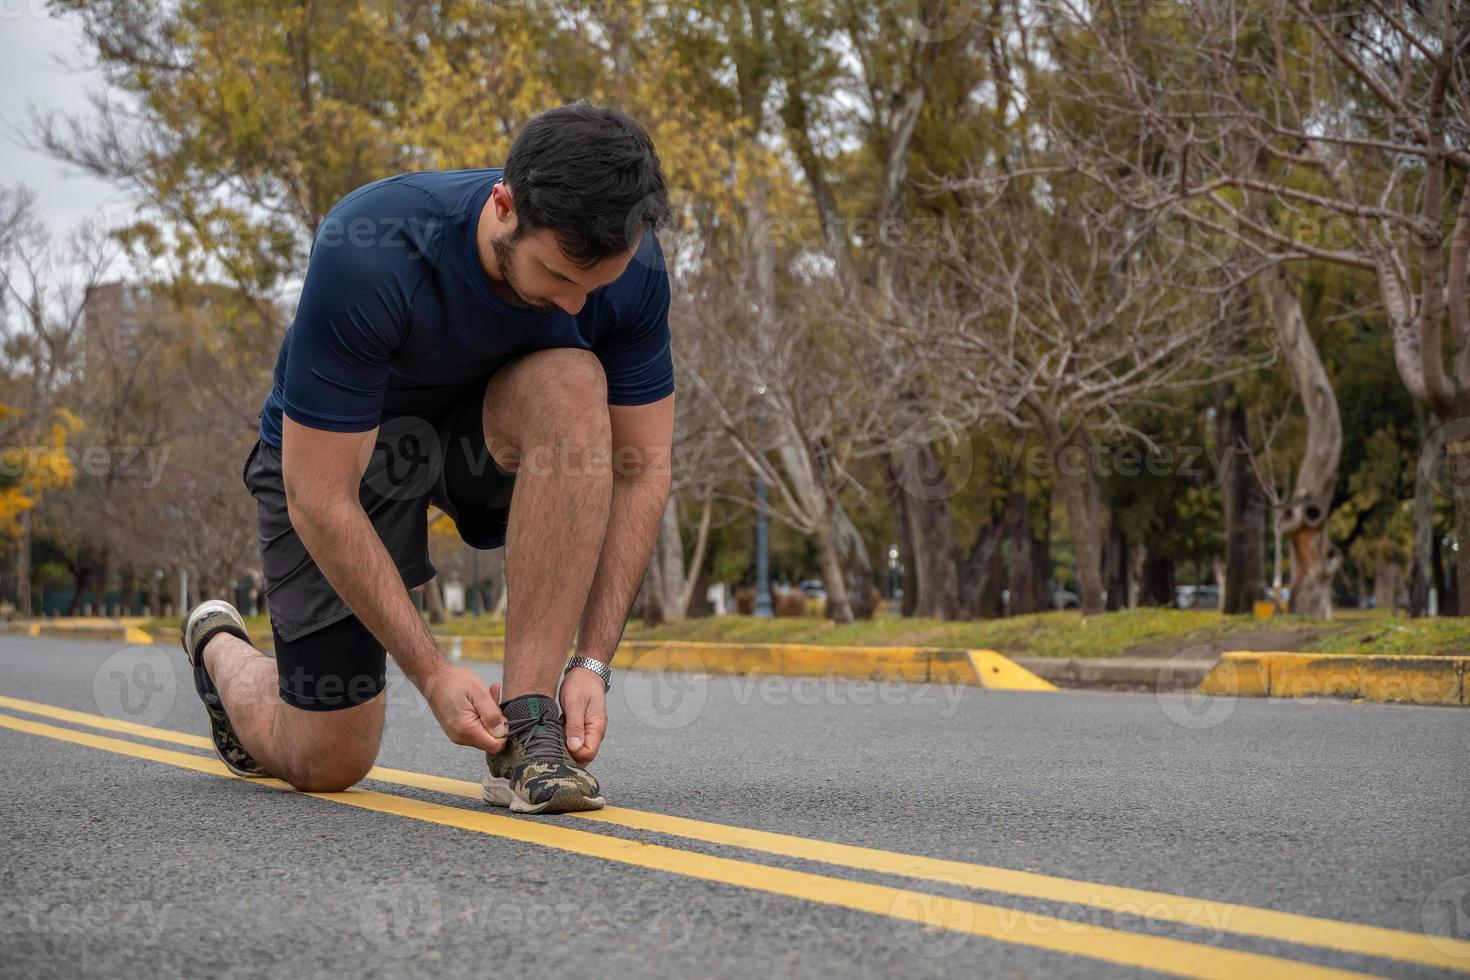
(397, 317)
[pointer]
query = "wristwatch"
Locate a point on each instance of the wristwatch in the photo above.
(596, 666)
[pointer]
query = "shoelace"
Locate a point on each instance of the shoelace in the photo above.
(540, 738)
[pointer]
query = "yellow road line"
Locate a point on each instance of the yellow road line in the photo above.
(1444, 953)
(104, 723)
(933, 911)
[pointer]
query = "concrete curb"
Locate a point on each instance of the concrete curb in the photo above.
(1417, 680)
(978, 668)
(1152, 673)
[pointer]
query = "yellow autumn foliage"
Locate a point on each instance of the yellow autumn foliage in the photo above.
(31, 471)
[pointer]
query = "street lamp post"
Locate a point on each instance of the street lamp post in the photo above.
(762, 555)
(763, 608)
(893, 574)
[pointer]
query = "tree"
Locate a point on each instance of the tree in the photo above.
(1313, 132)
(1066, 311)
(43, 289)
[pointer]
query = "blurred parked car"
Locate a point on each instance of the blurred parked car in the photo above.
(1197, 597)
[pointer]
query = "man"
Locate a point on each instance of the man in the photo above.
(460, 335)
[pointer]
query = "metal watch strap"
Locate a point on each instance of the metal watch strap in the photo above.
(596, 666)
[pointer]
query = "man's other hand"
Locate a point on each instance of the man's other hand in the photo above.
(584, 709)
(465, 708)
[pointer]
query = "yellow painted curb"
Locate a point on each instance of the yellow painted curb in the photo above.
(1373, 677)
(978, 668)
(1004, 674)
(78, 628)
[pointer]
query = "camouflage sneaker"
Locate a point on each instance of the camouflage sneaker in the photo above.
(534, 773)
(203, 622)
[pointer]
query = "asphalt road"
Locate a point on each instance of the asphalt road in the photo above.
(123, 852)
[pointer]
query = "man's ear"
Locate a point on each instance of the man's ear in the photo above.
(505, 204)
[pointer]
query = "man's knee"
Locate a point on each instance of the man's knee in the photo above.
(550, 401)
(332, 750)
(329, 776)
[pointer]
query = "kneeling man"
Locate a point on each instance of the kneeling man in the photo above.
(495, 343)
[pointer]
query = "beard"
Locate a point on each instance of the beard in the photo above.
(505, 249)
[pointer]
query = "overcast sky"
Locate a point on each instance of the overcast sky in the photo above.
(38, 55)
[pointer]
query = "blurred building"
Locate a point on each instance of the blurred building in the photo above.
(115, 317)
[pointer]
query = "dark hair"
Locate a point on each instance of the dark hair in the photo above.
(591, 176)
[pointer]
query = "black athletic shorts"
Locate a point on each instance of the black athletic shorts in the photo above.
(325, 657)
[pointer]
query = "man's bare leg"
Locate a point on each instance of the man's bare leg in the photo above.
(314, 751)
(547, 419)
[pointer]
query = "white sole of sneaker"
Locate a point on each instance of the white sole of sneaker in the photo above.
(199, 612)
(497, 792)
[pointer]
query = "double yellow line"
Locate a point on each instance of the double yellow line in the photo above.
(939, 912)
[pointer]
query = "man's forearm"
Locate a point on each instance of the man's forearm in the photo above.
(632, 528)
(350, 554)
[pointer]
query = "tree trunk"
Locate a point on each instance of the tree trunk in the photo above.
(696, 573)
(663, 579)
(1020, 582)
(839, 609)
(978, 576)
(1116, 565)
(1314, 560)
(907, 548)
(1388, 580)
(23, 566)
(1444, 583)
(1457, 460)
(434, 601)
(1244, 505)
(1078, 483)
(492, 569)
(1421, 560)
(126, 587)
(1158, 580)
(649, 602)
(991, 601)
(1041, 561)
(857, 567)
(1086, 542)
(99, 588)
(699, 606)
(920, 488)
(79, 578)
